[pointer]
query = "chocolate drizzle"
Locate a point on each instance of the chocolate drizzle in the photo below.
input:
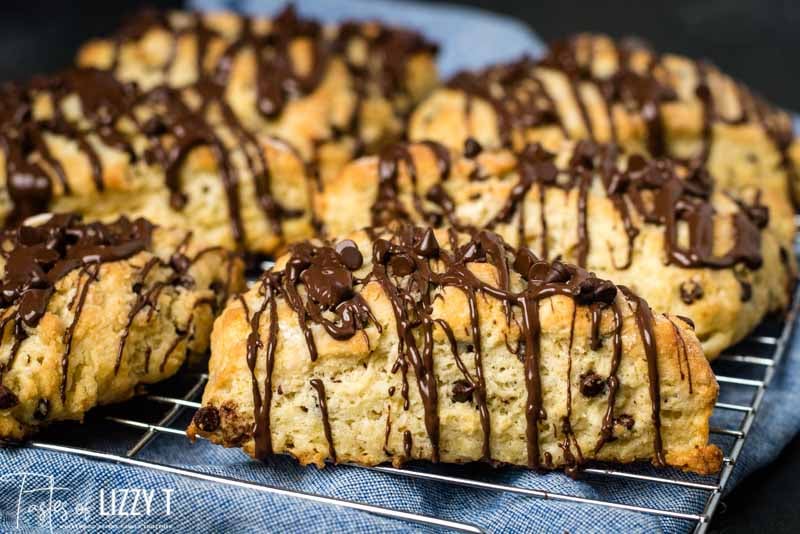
(644, 321)
(38, 257)
(388, 207)
(173, 129)
(521, 101)
(319, 387)
(649, 189)
(412, 269)
(527, 106)
(379, 71)
(102, 99)
(382, 71)
(179, 120)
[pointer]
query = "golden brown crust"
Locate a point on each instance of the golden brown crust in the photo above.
(725, 303)
(161, 337)
(744, 138)
(222, 174)
(163, 49)
(365, 405)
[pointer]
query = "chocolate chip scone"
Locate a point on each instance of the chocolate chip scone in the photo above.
(88, 312)
(394, 345)
(685, 248)
(82, 141)
(331, 91)
(591, 87)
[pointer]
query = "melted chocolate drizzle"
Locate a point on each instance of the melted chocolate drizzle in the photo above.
(37, 257)
(411, 269)
(319, 387)
(380, 72)
(278, 82)
(651, 188)
(521, 100)
(173, 130)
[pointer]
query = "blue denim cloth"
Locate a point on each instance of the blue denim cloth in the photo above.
(470, 38)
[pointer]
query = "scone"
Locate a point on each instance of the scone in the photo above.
(82, 141)
(403, 344)
(686, 249)
(591, 87)
(88, 312)
(330, 91)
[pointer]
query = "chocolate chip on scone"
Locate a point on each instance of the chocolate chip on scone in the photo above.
(593, 87)
(91, 311)
(640, 222)
(82, 141)
(477, 352)
(332, 91)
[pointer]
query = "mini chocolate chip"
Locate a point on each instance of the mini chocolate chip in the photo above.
(179, 262)
(207, 419)
(586, 289)
(428, 246)
(619, 183)
(605, 292)
(625, 420)
(462, 391)
(472, 148)
(592, 384)
(703, 92)
(539, 270)
(349, 254)
(747, 290)
(758, 214)
(328, 286)
(154, 126)
(583, 155)
(402, 265)
(691, 291)
(7, 398)
(392, 389)
(473, 252)
(636, 163)
(546, 172)
(559, 273)
(524, 260)
(381, 251)
(42, 409)
(295, 267)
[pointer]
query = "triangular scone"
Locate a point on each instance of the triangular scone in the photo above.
(592, 87)
(329, 90)
(684, 247)
(100, 147)
(89, 312)
(408, 344)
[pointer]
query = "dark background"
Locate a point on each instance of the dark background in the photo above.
(750, 39)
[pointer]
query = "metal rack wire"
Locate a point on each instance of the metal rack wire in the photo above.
(747, 372)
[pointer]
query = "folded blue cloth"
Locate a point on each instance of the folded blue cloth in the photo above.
(47, 491)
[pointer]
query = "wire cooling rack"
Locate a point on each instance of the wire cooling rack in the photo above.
(744, 374)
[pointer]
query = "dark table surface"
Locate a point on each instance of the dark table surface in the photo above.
(750, 39)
